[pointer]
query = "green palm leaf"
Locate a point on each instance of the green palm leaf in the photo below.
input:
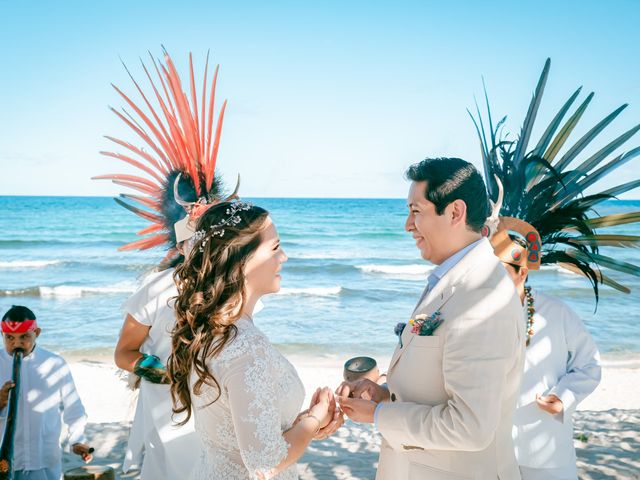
(608, 168)
(544, 141)
(529, 120)
(604, 261)
(596, 158)
(606, 240)
(620, 189)
(613, 220)
(565, 131)
(574, 187)
(601, 277)
(587, 138)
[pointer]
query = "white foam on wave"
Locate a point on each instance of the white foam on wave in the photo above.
(558, 269)
(28, 264)
(70, 291)
(322, 255)
(313, 291)
(405, 270)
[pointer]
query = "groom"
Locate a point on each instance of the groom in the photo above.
(446, 410)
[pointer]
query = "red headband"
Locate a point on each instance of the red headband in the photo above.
(19, 327)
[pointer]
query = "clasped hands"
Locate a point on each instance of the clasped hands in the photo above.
(357, 400)
(324, 409)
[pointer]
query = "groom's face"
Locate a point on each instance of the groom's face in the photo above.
(429, 230)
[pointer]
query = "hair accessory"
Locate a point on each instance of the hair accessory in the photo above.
(218, 230)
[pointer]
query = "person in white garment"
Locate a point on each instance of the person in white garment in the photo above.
(179, 177)
(244, 395)
(562, 363)
(180, 182)
(45, 384)
(162, 449)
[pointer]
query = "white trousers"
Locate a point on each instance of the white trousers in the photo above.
(564, 473)
(53, 473)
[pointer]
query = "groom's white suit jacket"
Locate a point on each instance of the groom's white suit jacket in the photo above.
(453, 394)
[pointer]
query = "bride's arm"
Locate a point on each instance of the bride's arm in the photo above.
(250, 383)
(306, 427)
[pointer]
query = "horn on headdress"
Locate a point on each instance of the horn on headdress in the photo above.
(234, 195)
(491, 224)
(178, 199)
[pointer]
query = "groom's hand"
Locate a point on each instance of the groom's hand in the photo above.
(364, 389)
(358, 409)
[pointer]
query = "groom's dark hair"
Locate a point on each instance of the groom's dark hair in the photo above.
(450, 179)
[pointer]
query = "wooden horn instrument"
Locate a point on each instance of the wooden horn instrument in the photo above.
(6, 449)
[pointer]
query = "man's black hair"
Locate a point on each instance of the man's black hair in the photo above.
(450, 179)
(18, 313)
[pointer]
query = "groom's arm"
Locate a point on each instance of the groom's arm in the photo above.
(479, 350)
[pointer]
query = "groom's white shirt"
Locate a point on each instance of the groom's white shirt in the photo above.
(453, 394)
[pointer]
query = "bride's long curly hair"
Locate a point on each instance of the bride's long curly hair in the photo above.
(211, 297)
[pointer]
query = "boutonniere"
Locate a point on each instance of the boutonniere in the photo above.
(425, 325)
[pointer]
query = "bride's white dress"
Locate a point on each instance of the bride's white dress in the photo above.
(261, 395)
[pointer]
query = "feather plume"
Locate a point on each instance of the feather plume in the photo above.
(549, 195)
(180, 139)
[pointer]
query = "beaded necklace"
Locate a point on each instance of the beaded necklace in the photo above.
(530, 311)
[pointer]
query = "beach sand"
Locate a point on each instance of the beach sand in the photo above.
(606, 424)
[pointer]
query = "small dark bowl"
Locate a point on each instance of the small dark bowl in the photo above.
(358, 367)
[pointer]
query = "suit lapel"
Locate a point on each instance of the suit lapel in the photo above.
(443, 291)
(431, 302)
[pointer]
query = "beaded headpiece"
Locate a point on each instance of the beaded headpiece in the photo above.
(231, 219)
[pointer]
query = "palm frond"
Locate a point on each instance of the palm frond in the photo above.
(545, 192)
(613, 220)
(530, 119)
(581, 144)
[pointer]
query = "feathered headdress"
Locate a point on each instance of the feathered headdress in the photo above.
(541, 189)
(178, 169)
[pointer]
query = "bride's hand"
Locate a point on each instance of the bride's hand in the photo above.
(323, 406)
(337, 419)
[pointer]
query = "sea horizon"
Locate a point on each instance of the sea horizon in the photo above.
(353, 273)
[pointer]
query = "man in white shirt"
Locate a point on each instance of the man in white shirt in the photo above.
(46, 383)
(562, 363)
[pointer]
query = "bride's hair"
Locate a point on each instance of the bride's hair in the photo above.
(211, 296)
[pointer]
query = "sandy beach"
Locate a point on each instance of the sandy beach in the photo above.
(606, 424)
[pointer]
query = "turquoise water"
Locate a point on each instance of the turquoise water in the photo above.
(352, 274)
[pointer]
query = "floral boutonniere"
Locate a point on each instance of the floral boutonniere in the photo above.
(425, 325)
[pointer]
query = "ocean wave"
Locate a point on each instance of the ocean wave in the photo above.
(29, 264)
(558, 269)
(321, 255)
(312, 291)
(404, 270)
(69, 291)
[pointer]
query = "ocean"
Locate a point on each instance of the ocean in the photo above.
(353, 273)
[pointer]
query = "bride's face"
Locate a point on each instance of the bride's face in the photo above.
(262, 270)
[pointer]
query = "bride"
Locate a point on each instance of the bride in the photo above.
(245, 396)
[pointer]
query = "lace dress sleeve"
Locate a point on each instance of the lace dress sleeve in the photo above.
(251, 386)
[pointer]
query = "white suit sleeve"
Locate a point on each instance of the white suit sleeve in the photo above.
(479, 350)
(583, 365)
(250, 384)
(73, 414)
